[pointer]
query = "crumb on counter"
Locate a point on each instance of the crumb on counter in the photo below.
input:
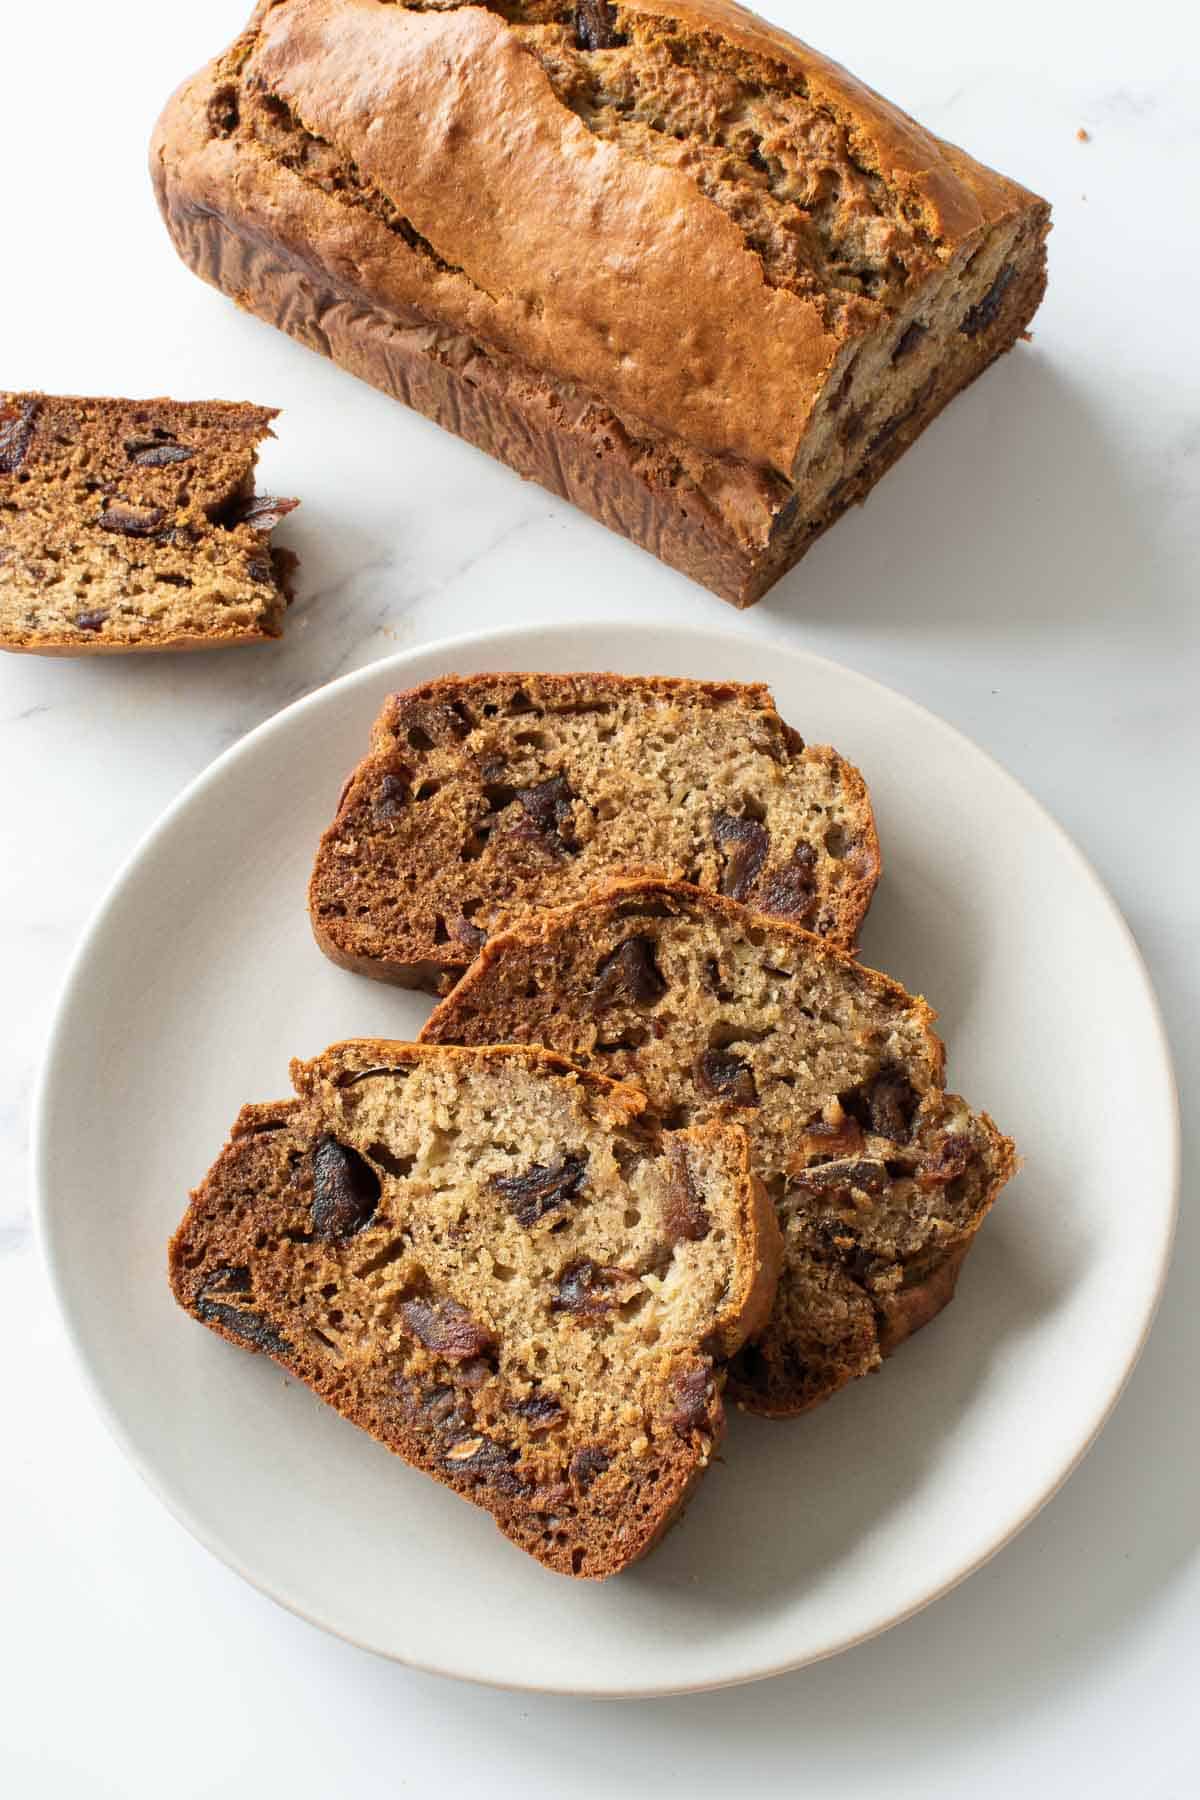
(1084, 135)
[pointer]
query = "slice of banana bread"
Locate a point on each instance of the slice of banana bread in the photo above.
(134, 525)
(484, 796)
(487, 1261)
(880, 1177)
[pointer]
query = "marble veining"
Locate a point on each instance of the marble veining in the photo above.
(1028, 571)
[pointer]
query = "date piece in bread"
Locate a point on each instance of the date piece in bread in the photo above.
(134, 525)
(486, 1261)
(486, 795)
(881, 1178)
(659, 256)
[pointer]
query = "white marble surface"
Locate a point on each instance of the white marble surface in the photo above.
(1029, 571)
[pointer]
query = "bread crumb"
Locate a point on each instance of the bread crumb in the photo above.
(1084, 135)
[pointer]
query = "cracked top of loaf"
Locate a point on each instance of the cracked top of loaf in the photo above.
(677, 207)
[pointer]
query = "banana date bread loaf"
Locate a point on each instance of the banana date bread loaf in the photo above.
(486, 795)
(484, 1259)
(881, 1178)
(657, 255)
(134, 525)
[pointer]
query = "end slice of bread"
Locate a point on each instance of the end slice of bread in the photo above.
(881, 1178)
(486, 796)
(134, 525)
(488, 1261)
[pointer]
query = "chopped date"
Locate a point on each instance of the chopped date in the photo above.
(986, 311)
(589, 1291)
(218, 1301)
(262, 511)
(228, 1279)
(539, 1411)
(884, 1105)
(446, 1328)
(541, 1189)
(468, 934)
(587, 1464)
(485, 1463)
(132, 521)
(790, 892)
(951, 1159)
(840, 1177)
(722, 1075)
(745, 843)
(391, 796)
(691, 1409)
(345, 1190)
(16, 435)
(429, 723)
(631, 973)
(157, 453)
(548, 810)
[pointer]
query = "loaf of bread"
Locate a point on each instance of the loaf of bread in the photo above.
(880, 1177)
(134, 525)
(486, 795)
(658, 256)
(484, 1259)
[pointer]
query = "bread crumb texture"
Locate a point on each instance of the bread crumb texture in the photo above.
(134, 525)
(487, 1260)
(880, 1177)
(487, 795)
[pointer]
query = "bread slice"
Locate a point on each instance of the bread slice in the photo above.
(134, 525)
(486, 1260)
(880, 1177)
(484, 796)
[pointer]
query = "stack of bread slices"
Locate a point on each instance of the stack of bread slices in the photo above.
(664, 1141)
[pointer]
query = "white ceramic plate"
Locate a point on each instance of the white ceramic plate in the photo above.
(198, 979)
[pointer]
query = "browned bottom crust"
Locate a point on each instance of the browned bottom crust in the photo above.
(903, 1313)
(519, 418)
(225, 641)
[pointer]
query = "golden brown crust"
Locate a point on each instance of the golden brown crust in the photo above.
(365, 1307)
(956, 196)
(530, 196)
(554, 925)
(485, 796)
(435, 290)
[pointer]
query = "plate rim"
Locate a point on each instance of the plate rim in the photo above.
(517, 634)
